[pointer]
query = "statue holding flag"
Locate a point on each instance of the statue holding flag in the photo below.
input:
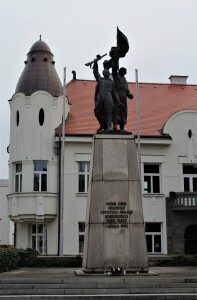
(119, 114)
(120, 80)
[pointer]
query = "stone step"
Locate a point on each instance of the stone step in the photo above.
(95, 285)
(96, 291)
(102, 279)
(104, 297)
(92, 288)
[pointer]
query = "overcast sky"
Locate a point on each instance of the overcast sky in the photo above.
(161, 33)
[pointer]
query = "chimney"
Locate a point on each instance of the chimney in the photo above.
(176, 79)
(74, 75)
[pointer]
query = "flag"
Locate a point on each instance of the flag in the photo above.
(122, 43)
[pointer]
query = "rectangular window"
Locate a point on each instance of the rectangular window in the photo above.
(81, 226)
(190, 178)
(151, 178)
(40, 176)
(153, 237)
(83, 176)
(39, 238)
(18, 178)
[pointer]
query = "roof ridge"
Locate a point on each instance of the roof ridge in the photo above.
(133, 82)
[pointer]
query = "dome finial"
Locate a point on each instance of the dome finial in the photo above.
(40, 37)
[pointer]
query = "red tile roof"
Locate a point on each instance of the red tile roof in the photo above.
(157, 102)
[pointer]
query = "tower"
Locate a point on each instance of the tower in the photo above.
(35, 112)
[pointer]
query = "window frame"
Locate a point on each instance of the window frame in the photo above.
(153, 234)
(86, 174)
(40, 174)
(151, 175)
(81, 234)
(190, 177)
(38, 235)
(18, 178)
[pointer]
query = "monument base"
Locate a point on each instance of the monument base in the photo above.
(114, 233)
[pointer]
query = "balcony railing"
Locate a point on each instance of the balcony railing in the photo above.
(186, 200)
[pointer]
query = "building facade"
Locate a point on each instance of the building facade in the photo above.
(168, 159)
(6, 226)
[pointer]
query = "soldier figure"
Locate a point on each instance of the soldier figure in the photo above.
(106, 98)
(121, 89)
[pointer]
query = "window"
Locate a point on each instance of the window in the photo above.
(83, 176)
(153, 237)
(151, 178)
(41, 117)
(17, 118)
(40, 176)
(81, 226)
(18, 178)
(39, 238)
(190, 178)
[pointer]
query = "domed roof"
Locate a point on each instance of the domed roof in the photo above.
(40, 46)
(39, 73)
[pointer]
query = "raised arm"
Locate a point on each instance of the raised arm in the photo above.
(95, 71)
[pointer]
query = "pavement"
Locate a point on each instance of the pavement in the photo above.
(56, 273)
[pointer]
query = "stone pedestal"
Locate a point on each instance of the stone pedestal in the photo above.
(114, 233)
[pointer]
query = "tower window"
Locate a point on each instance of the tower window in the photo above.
(41, 116)
(17, 118)
(45, 59)
(40, 176)
(189, 133)
(18, 177)
(33, 59)
(39, 238)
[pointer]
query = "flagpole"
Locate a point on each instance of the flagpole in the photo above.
(138, 123)
(61, 248)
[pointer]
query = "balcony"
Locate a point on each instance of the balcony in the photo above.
(32, 207)
(184, 201)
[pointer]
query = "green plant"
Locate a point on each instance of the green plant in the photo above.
(9, 259)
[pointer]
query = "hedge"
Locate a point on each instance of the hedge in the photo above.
(174, 260)
(12, 258)
(9, 259)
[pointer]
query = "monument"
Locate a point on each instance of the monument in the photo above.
(114, 229)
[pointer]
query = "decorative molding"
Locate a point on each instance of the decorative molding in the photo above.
(28, 102)
(54, 103)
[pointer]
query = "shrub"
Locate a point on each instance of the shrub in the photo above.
(59, 262)
(13, 258)
(28, 257)
(185, 260)
(174, 260)
(9, 259)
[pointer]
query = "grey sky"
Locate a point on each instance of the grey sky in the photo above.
(161, 33)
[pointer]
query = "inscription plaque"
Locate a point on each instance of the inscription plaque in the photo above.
(116, 215)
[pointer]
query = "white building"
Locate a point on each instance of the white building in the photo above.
(6, 226)
(168, 130)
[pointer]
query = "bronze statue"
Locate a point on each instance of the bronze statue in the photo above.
(106, 98)
(121, 89)
(111, 95)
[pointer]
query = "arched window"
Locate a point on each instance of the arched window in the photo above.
(41, 116)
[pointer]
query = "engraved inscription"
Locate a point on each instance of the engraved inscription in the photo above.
(116, 215)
